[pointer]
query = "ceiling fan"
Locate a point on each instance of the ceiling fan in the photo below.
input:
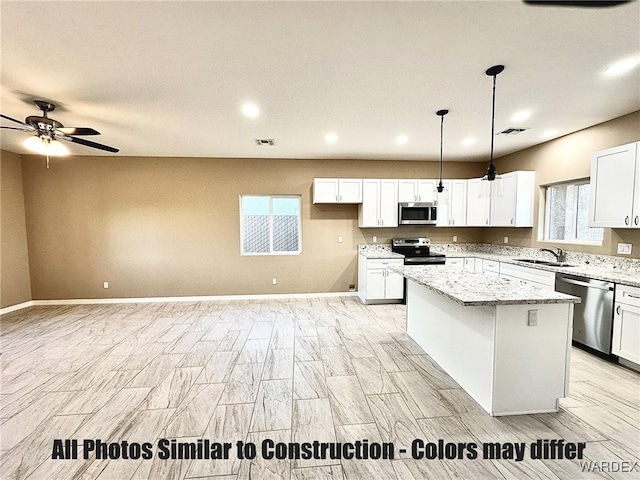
(48, 131)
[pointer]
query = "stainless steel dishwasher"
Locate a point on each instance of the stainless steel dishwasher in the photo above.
(593, 316)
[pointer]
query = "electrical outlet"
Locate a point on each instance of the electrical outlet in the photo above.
(624, 248)
(352, 287)
(340, 239)
(532, 318)
(455, 238)
(105, 284)
(506, 240)
(274, 281)
(375, 239)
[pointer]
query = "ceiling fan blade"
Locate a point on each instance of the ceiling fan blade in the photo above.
(88, 143)
(77, 131)
(24, 129)
(14, 120)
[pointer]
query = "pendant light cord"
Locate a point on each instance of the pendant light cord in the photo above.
(441, 114)
(493, 117)
(493, 71)
(441, 142)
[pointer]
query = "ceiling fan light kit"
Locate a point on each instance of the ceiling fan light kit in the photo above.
(45, 145)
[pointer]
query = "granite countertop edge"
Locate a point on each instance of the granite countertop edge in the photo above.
(546, 297)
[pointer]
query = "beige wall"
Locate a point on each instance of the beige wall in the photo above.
(15, 283)
(170, 226)
(569, 158)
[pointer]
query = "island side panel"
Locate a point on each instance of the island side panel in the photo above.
(531, 363)
(459, 338)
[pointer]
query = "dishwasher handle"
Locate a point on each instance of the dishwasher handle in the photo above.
(582, 284)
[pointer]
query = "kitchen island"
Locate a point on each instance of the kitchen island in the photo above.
(507, 343)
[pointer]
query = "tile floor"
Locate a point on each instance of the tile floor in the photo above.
(326, 369)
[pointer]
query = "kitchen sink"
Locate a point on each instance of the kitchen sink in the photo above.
(544, 262)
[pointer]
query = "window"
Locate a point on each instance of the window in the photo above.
(567, 213)
(269, 225)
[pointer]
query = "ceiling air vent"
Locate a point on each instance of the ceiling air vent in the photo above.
(512, 131)
(265, 141)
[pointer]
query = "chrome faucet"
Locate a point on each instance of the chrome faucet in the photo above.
(559, 253)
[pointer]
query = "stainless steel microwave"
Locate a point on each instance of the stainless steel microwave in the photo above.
(414, 213)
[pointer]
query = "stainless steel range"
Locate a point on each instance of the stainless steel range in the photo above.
(416, 251)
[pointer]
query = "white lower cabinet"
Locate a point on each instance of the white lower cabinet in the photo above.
(456, 262)
(378, 284)
(626, 323)
(470, 264)
(490, 268)
(534, 276)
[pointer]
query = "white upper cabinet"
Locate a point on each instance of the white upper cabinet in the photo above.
(379, 206)
(454, 211)
(515, 207)
(421, 190)
(337, 190)
(477, 205)
(615, 187)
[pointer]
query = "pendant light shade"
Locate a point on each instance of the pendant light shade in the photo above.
(442, 195)
(492, 183)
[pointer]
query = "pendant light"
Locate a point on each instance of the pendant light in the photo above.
(442, 196)
(492, 183)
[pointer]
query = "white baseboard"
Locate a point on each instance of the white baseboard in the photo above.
(17, 306)
(206, 298)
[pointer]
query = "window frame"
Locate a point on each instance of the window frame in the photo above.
(271, 251)
(547, 215)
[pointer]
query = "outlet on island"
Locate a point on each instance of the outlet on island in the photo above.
(105, 284)
(274, 281)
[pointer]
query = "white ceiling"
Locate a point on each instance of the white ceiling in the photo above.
(169, 78)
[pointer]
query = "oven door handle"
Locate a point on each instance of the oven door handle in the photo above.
(583, 284)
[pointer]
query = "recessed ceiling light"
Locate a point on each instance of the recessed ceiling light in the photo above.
(467, 142)
(521, 116)
(250, 110)
(331, 138)
(623, 66)
(402, 139)
(549, 133)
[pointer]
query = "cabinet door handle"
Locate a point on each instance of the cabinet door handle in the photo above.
(453, 222)
(632, 296)
(336, 198)
(340, 197)
(511, 221)
(635, 220)
(487, 221)
(618, 310)
(381, 222)
(626, 220)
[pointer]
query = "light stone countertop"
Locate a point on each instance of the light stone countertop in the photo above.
(598, 272)
(379, 251)
(600, 267)
(475, 289)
